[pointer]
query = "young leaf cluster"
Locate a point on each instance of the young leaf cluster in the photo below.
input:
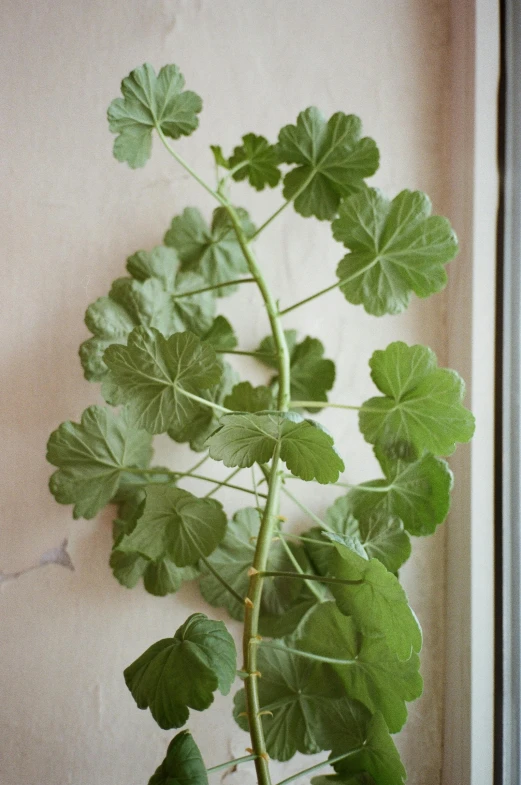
(330, 642)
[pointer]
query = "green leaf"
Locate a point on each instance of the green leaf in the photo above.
(305, 447)
(176, 525)
(92, 457)
(332, 161)
(183, 764)
(421, 409)
(370, 671)
(299, 694)
(260, 159)
(365, 740)
(218, 156)
(164, 577)
(183, 672)
(152, 373)
(204, 421)
(233, 558)
(396, 248)
(213, 252)
(379, 533)
(151, 299)
(221, 335)
(343, 779)
(375, 600)
(246, 398)
(268, 352)
(418, 493)
(311, 374)
(149, 102)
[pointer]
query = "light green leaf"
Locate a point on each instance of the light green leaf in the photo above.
(176, 525)
(152, 374)
(183, 764)
(375, 600)
(299, 694)
(149, 102)
(221, 335)
(311, 374)
(218, 156)
(151, 299)
(183, 672)
(204, 420)
(92, 456)
(421, 409)
(246, 398)
(260, 159)
(305, 447)
(365, 740)
(396, 248)
(213, 252)
(233, 558)
(370, 671)
(164, 577)
(332, 161)
(418, 493)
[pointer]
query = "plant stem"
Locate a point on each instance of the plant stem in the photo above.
(306, 654)
(221, 483)
(310, 577)
(244, 353)
(284, 205)
(230, 763)
(306, 539)
(191, 474)
(327, 762)
(221, 580)
(293, 560)
(321, 405)
(203, 401)
(305, 509)
(214, 286)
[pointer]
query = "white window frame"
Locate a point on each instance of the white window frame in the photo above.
(468, 754)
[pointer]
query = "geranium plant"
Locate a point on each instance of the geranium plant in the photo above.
(330, 643)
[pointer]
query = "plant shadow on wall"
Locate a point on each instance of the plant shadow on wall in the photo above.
(330, 644)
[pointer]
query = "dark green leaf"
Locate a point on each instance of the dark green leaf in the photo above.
(149, 102)
(421, 408)
(183, 764)
(260, 162)
(305, 447)
(365, 740)
(152, 373)
(396, 248)
(418, 493)
(92, 456)
(311, 374)
(151, 299)
(370, 671)
(221, 335)
(299, 694)
(214, 251)
(176, 525)
(164, 577)
(204, 420)
(183, 672)
(377, 603)
(233, 558)
(332, 161)
(246, 398)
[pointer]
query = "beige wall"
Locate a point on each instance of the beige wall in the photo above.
(70, 217)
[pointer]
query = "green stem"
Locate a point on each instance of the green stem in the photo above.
(327, 762)
(283, 206)
(222, 581)
(211, 288)
(244, 353)
(305, 509)
(321, 405)
(230, 763)
(307, 539)
(306, 654)
(294, 561)
(203, 401)
(222, 482)
(310, 577)
(202, 477)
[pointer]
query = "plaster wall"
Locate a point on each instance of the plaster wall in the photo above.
(70, 218)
